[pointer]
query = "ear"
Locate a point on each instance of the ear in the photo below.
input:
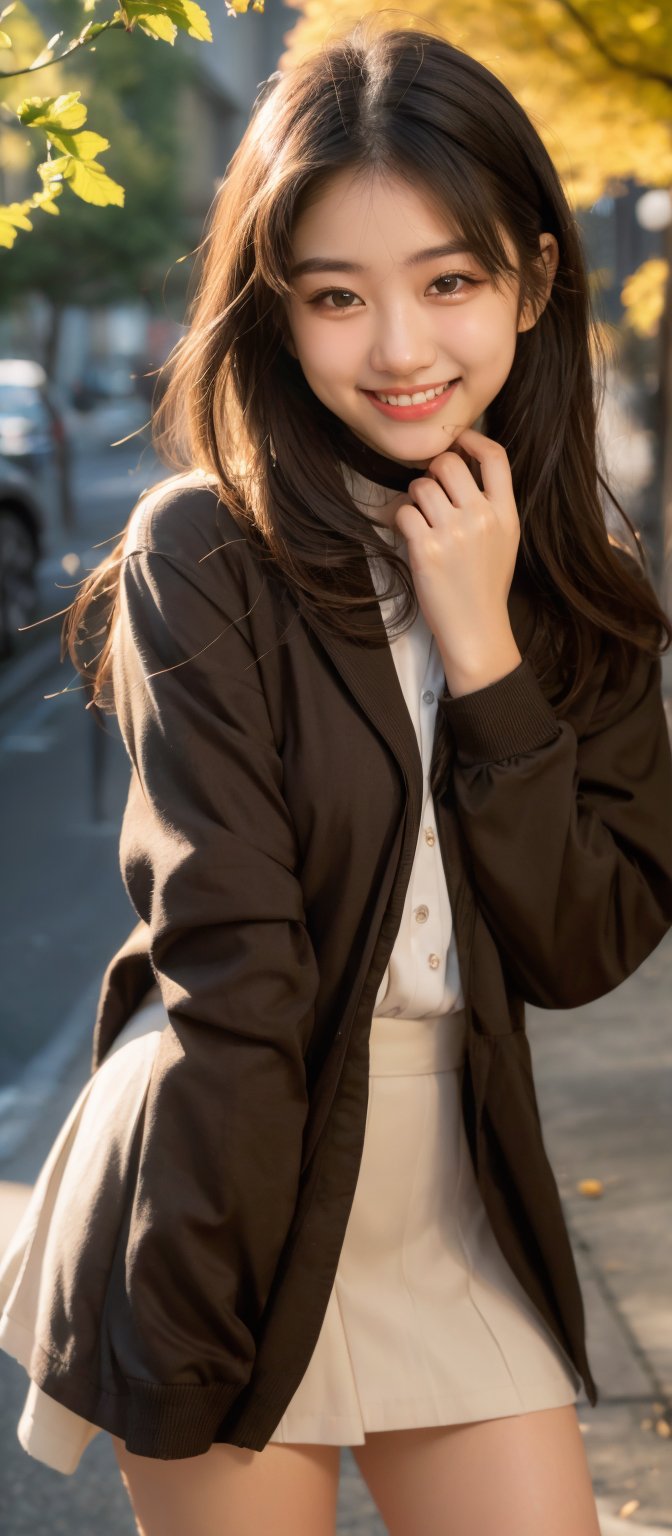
(549, 253)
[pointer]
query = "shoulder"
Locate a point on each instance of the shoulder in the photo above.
(181, 517)
(186, 566)
(181, 526)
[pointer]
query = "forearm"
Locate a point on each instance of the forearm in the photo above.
(569, 832)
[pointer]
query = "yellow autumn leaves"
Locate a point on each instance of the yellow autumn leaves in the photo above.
(594, 76)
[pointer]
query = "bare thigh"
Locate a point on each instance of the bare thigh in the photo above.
(291, 1490)
(517, 1476)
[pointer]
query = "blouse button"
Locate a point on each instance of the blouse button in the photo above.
(421, 914)
(430, 836)
(428, 696)
(434, 960)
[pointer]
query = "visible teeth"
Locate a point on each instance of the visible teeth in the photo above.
(417, 399)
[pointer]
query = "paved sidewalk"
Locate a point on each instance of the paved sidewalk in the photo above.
(604, 1083)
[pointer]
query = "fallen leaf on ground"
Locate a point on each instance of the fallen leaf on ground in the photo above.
(591, 1187)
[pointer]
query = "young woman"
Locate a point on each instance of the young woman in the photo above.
(392, 700)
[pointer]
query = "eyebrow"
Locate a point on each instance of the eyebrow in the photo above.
(329, 264)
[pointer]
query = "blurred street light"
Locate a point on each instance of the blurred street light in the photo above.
(654, 209)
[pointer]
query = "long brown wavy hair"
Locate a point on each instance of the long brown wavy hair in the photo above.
(238, 407)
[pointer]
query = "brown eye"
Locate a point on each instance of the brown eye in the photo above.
(454, 277)
(318, 298)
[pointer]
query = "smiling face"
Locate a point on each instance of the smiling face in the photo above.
(398, 326)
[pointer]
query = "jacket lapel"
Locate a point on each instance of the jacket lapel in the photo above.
(371, 676)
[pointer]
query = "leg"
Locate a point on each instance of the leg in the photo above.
(291, 1490)
(517, 1476)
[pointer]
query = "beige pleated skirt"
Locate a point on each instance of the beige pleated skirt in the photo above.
(426, 1323)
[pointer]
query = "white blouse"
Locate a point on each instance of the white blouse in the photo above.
(422, 978)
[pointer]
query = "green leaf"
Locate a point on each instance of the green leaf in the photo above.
(58, 112)
(84, 146)
(92, 29)
(184, 14)
(46, 198)
(91, 182)
(13, 217)
(158, 27)
(48, 174)
(87, 179)
(199, 23)
(56, 169)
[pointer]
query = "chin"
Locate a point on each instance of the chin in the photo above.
(439, 443)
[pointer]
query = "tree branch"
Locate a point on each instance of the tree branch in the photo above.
(642, 71)
(105, 26)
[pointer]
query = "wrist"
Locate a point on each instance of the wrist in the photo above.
(484, 666)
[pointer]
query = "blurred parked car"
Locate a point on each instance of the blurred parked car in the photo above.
(111, 401)
(21, 546)
(33, 429)
(102, 380)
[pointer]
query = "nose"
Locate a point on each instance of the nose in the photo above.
(400, 349)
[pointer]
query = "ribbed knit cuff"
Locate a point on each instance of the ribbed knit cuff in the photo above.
(503, 719)
(171, 1422)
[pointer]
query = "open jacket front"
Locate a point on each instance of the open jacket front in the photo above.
(267, 845)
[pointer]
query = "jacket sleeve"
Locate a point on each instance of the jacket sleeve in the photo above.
(209, 860)
(570, 836)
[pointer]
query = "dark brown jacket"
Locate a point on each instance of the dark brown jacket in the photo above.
(267, 845)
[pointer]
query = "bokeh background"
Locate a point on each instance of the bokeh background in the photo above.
(93, 297)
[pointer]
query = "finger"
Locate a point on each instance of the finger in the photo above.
(431, 498)
(472, 465)
(494, 463)
(454, 475)
(409, 520)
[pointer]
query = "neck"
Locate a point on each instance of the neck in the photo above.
(375, 501)
(369, 462)
(378, 467)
